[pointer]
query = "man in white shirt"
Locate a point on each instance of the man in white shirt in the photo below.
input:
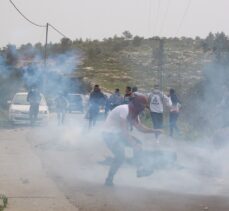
(117, 133)
(157, 99)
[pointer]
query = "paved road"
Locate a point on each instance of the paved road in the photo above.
(56, 168)
(70, 155)
(23, 179)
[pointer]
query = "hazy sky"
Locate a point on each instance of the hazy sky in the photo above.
(97, 19)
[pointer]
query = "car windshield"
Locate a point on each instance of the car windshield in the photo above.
(21, 99)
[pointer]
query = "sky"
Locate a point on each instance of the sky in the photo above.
(98, 19)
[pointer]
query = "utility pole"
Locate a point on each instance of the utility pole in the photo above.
(45, 60)
(46, 43)
(158, 53)
(160, 58)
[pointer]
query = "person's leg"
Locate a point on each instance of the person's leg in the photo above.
(117, 148)
(63, 116)
(96, 112)
(94, 119)
(90, 117)
(58, 117)
(36, 111)
(31, 114)
(153, 119)
(158, 123)
(175, 122)
(171, 124)
(119, 157)
(160, 120)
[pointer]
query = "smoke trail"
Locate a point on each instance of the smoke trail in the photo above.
(55, 75)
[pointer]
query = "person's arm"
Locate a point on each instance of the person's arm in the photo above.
(28, 96)
(66, 103)
(90, 98)
(142, 128)
(134, 142)
(167, 100)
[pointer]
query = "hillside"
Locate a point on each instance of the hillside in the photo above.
(182, 66)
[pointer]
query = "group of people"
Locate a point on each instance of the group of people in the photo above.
(157, 101)
(98, 99)
(124, 117)
(123, 114)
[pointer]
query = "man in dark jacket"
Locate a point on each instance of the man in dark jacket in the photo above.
(96, 99)
(34, 99)
(127, 96)
(115, 99)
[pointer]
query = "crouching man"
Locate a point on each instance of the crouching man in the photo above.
(117, 134)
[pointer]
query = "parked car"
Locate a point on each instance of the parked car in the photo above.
(19, 109)
(75, 103)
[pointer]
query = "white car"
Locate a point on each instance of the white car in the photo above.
(19, 109)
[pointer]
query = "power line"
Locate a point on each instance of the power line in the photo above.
(165, 17)
(149, 17)
(157, 16)
(183, 17)
(57, 30)
(38, 25)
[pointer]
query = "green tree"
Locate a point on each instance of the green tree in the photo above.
(11, 55)
(65, 44)
(137, 41)
(127, 35)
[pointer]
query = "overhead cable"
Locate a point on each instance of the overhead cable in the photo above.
(149, 17)
(165, 17)
(183, 17)
(38, 25)
(57, 30)
(157, 16)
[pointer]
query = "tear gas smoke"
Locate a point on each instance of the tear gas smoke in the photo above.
(54, 76)
(199, 168)
(72, 151)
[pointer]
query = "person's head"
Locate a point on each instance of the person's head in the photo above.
(33, 88)
(96, 88)
(117, 90)
(134, 89)
(156, 86)
(171, 92)
(137, 104)
(128, 90)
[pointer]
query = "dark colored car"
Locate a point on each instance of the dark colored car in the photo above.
(75, 103)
